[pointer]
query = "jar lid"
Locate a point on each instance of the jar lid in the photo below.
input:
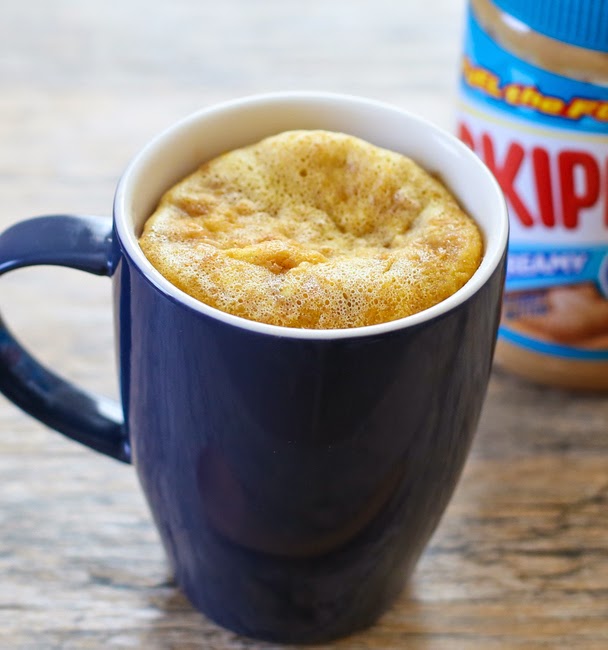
(579, 22)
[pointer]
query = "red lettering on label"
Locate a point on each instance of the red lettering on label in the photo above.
(543, 185)
(572, 202)
(506, 174)
(578, 178)
(465, 135)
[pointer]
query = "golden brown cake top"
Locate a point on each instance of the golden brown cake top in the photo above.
(313, 229)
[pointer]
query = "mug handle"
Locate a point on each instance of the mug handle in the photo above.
(83, 243)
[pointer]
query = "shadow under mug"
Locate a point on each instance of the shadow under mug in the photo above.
(295, 476)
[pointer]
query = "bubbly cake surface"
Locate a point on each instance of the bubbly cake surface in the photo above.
(313, 229)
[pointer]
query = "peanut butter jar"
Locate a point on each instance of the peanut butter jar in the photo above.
(533, 105)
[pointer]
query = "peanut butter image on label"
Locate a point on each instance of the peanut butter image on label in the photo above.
(575, 315)
(313, 229)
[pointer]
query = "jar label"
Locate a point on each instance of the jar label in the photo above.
(545, 138)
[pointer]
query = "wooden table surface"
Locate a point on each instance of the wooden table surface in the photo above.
(520, 559)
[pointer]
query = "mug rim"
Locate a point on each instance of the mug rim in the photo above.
(130, 245)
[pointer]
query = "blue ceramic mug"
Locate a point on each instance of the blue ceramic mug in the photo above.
(295, 476)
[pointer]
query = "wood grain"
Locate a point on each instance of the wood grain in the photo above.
(521, 557)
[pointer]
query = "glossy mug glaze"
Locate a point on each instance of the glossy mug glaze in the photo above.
(295, 476)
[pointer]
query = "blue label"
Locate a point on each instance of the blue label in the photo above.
(536, 266)
(495, 77)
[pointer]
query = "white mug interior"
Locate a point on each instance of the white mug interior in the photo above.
(183, 147)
